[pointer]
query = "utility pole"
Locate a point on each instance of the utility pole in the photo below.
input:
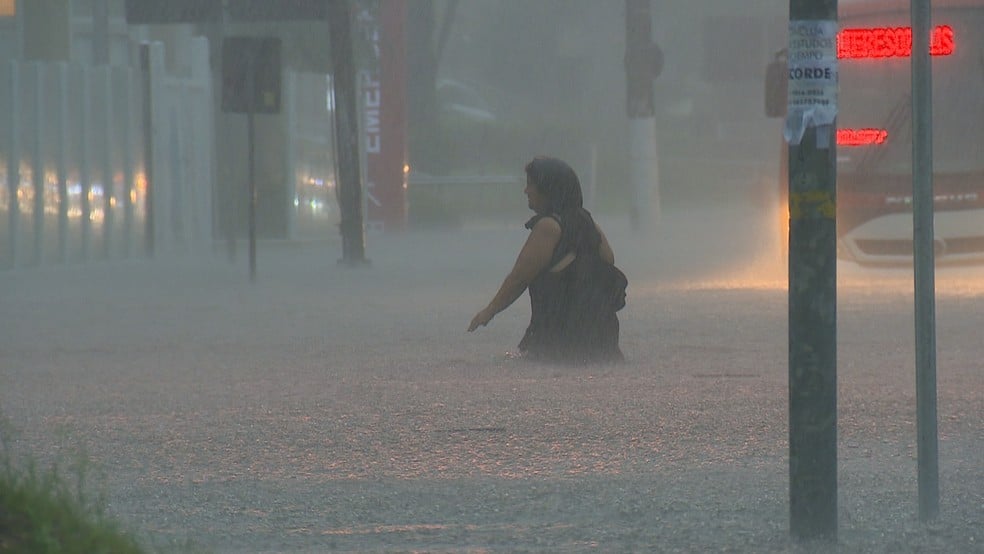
(346, 133)
(810, 131)
(924, 263)
(643, 62)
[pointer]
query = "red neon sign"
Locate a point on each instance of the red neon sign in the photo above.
(890, 42)
(861, 137)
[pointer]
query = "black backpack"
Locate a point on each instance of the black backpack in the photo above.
(600, 285)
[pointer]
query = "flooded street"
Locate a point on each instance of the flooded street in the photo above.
(344, 407)
(331, 408)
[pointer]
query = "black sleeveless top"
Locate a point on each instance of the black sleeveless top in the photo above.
(562, 329)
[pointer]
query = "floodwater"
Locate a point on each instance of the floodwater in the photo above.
(328, 408)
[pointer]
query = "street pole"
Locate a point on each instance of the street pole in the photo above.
(810, 131)
(346, 133)
(642, 62)
(251, 149)
(13, 163)
(923, 258)
(147, 90)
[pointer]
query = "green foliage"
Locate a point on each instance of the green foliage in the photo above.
(42, 513)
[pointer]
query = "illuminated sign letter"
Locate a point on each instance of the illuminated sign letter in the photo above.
(890, 42)
(861, 137)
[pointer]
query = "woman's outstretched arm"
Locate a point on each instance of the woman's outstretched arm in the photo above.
(533, 259)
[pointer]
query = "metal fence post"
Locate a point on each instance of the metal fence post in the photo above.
(61, 161)
(13, 165)
(37, 163)
(923, 258)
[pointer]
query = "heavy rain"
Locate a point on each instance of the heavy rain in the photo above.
(241, 242)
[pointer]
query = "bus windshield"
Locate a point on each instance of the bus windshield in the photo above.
(875, 117)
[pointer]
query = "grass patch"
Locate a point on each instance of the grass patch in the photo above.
(43, 513)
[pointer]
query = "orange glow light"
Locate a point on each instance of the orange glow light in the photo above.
(891, 42)
(861, 137)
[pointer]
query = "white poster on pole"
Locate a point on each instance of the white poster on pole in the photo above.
(812, 93)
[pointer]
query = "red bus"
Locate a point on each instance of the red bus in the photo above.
(874, 130)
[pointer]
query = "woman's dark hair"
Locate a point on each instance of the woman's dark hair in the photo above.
(557, 181)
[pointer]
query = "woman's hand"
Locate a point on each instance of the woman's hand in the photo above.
(533, 259)
(481, 319)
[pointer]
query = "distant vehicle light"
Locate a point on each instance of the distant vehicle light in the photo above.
(861, 137)
(891, 42)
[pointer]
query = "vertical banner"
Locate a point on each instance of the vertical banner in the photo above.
(382, 90)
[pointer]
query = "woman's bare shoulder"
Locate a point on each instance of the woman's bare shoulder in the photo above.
(547, 224)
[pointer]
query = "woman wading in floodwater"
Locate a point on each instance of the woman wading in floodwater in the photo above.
(567, 265)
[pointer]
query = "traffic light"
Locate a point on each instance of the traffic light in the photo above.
(242, 56)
